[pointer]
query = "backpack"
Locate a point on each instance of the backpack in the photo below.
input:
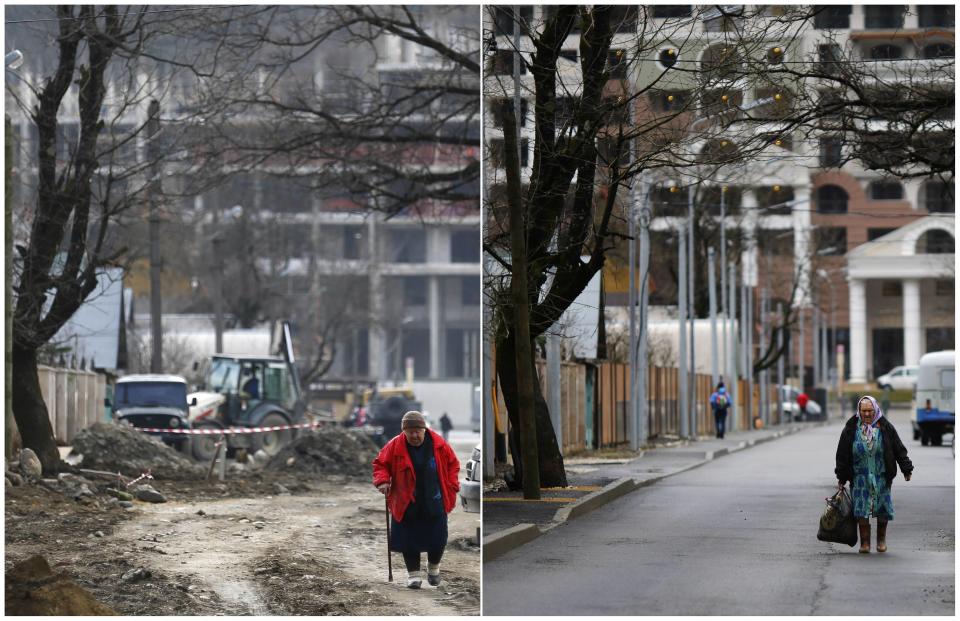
(722, 402)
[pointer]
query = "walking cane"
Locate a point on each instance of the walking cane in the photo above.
(386, 505)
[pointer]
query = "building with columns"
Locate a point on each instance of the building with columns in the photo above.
(901, 296)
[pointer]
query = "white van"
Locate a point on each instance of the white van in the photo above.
(933, 402)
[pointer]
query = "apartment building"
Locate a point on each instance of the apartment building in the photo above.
(796, 206)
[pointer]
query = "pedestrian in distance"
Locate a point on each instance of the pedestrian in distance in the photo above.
(418, 473)
(868, 454)
(802, 400)
(445, 426)
(720, 402)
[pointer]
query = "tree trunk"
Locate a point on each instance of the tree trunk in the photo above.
(30, 411)
(552, 473)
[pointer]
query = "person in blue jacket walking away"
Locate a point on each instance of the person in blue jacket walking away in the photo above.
(720, 402)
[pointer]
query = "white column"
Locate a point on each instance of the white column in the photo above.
(912, 331)
(801, 243)
(749, 255)
(858, 331)
(433, 301)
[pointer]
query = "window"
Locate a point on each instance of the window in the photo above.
(776, 243)
(720, 62)
(829, 55)
(668, 57)
(945, 288)
(717, 101)
(781, 102)
(667, 203)
(784, 141)
(407, 246)
(831, 151)
(886, 51)
(617, 64)
(935, 16)
(831, 241)
(501, 107)
(886, 191)
(504, 18)
(465, 247)
(883, 16)
(669, 101)
(831, 104)
(414, 290)
(570, 55)
(831, 199)
(352, 242)
(607, 150)
(873, 234)
(938, 50)
(936, 241)
(831, 16)
(775, 55)
(710, 199)
(501, 63)
(497, 153)
(719, 152)
(623, 18)
(661, 11)
(771, 199)
(469, 290)
(939, 339)
(891, 289)
(938, 197)
(564, 110)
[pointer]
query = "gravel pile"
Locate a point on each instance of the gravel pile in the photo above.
(327, 450)
(120, 448)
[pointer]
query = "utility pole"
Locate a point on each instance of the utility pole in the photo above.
(732, 343)
(682, 303)
(724, 299)
(692, 308)
(764, 410)
(644, 300)
(632, 311)
(749, 353)
(156, 300)
(780, 368)
(815, 342)
(712, 284)
(800, 353)
(218, 295)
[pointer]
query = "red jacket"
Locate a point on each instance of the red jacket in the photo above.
(393, 465)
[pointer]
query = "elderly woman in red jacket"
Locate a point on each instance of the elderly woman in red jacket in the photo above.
(418, 473)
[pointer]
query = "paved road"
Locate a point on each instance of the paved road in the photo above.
(738, 537)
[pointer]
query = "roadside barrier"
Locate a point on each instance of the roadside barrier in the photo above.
(215, 431)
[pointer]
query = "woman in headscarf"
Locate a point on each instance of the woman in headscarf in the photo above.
(418, 473)
(867, 456)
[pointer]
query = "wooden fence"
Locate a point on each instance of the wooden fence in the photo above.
(594, 400)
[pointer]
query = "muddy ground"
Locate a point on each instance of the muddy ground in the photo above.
(316, 545)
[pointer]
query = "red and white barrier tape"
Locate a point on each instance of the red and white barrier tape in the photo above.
(215, 431)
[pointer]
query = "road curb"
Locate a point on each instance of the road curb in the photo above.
(500, 543)
(594, 500)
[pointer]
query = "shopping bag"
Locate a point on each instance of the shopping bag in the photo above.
(837, 524)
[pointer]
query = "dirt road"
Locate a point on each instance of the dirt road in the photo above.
(241, 549)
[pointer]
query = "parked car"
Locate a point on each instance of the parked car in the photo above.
(153, 401)
(470, 488)
(791, 408)
(903, 377)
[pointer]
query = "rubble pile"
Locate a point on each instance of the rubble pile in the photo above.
(31, 588)
(120, 448)
(327, 450)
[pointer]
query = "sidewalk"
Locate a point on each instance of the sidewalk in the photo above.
(510, 521)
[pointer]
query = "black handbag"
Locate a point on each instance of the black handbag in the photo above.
(838, 524)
